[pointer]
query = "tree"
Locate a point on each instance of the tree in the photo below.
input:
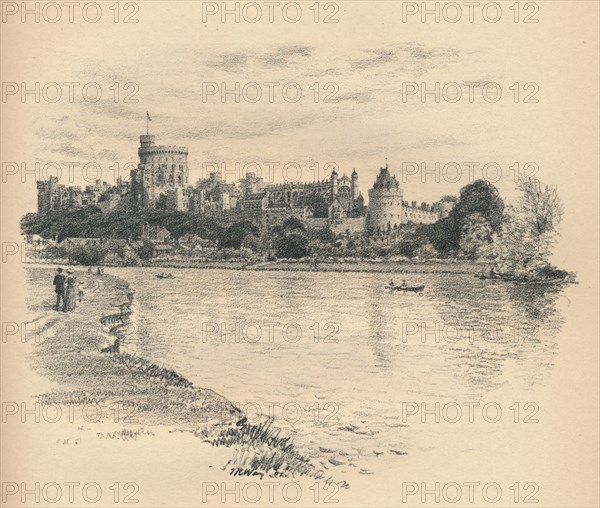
(235, 234)
(530, 230)
(426, 251)
(293, 245)
(479, 197)
(449, 199)
(476, 238)
(411, 240)
(443, 236)
(325, 235)
(251, 242)
(146, 250)
(293, 224)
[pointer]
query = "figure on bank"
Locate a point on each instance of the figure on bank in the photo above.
(59, 288)
(69, 298)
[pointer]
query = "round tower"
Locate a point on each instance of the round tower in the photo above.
(385, 203)
(162, 171)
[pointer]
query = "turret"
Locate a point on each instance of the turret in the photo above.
(334, 184)
(385, 203)
(146, 140)
(354, 184)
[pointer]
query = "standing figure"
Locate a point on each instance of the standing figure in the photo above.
(80, 286)
(70, 282)
(59, 288)
(98, 271)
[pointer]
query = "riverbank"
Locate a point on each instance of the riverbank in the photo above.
(84, 354)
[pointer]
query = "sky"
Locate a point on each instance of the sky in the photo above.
(362, 67)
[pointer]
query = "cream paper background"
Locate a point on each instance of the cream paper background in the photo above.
(170, 52)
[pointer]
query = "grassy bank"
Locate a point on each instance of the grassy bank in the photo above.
(84, 358)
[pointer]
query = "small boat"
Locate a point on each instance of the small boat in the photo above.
(527, 282)
(412, 289)
(163, 276)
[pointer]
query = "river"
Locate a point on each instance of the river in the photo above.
(342, 364)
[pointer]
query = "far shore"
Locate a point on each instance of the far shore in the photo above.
(334, 265)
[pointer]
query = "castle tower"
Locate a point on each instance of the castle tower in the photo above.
(354, 184)
(334, 185)
(162, 175)
(385, 203)
(47, 194)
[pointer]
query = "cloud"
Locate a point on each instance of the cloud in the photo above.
(411, 57)
(231, 61)
(280, 56)
(359, 97)
(379, 57)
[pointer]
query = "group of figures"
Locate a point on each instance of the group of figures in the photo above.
(68, 290)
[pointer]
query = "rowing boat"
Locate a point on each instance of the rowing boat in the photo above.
(411, 289)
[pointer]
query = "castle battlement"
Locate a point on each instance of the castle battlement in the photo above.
(147, 150)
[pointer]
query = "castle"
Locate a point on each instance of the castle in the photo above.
(161, 181)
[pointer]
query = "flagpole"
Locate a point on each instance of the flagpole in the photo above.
(147, 125)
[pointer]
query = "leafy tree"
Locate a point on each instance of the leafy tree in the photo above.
(146, 251)
(89, 254)
(479, 197)
(426, 251)
(325, 235)
(235, 234)
(476, 238)
(410, 241)
(293, 245)
(293, 224)
(448, 199)
(251, 243)
(530, 230)
(442, 236)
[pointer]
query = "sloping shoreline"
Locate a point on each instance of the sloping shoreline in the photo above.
(90, 370)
